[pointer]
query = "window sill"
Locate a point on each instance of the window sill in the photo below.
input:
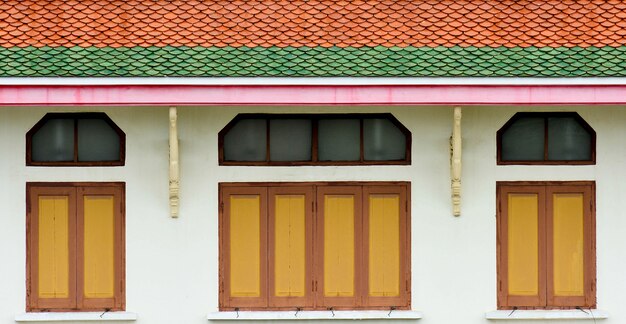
(75, 316)
(557, 314)
(313, 315)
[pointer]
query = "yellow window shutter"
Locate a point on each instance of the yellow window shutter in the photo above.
(290, 250)
(99, 243)
(523, 240)
(568, 244)
(53, 247)
(384, 245)
(245, 246)
(339, 245)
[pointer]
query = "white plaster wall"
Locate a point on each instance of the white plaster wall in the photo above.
(171, 264)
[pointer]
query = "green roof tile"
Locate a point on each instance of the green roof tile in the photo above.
(376, 61)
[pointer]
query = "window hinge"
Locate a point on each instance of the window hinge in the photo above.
(221, 207)
(407, 285)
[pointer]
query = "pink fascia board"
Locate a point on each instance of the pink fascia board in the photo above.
(200, 95)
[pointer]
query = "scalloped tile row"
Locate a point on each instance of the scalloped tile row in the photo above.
(312, 23)
(312, 62)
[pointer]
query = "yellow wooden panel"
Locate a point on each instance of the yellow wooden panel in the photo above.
(523, 241)
(384, 245)
(245, 246)
(338, 245)
(289, 236)
(568, 244)
(53, 247)
(99, 246)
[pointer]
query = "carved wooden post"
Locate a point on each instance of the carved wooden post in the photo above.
(455, 162)
(174, 165)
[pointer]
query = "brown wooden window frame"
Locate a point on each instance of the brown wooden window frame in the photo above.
(76, 301)
(546, 298)
(75, 161)
(545, 161)
(314, 118)
(314, 299)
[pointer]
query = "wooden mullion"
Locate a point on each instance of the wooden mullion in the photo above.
(589, 246)
(314, 140)
(545, 139)
(361, 142)
(544, 259)
(75, 140)
(267, 140)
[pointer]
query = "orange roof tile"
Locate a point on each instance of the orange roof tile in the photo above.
(312, 23)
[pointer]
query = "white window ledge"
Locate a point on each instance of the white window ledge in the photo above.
(557, 314)
(313, 315)
(75, 316)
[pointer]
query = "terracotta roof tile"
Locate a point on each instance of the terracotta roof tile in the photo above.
(273, 22)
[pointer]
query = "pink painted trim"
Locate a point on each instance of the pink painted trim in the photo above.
(310, 95)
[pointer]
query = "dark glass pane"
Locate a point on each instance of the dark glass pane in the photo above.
(246, 141)
(568, 140)
(339, 140)
(290, 140)
(97, 141)
(524, 140)
(54, 141)
(383, 141)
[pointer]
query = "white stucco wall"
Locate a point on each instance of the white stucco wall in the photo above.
(171, 264)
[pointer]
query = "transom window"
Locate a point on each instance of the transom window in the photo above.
(314, 140)
(546, 138)
(75, 139)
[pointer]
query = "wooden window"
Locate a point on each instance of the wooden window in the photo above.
(546, 235)
(306, 139)
(75, 139)
(314, 246)
(546, 138)
(75, 246)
